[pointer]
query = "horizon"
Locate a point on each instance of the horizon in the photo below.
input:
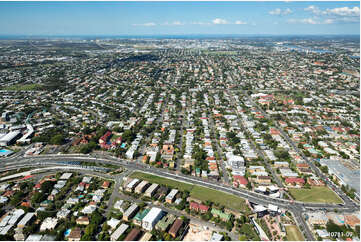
(178, 18)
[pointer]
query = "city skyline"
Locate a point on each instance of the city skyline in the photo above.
(179, 18)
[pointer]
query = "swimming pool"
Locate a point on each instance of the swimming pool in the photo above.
(4, 152)
(67, 232)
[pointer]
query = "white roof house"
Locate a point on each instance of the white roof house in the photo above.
(152, 218)
(117, 233)
(113, 222)
(65, 176)
(26, 219)
(49, 223)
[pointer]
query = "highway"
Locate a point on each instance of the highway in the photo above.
(297, 208)
(47, 160)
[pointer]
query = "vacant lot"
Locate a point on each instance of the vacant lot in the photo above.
(293, 233)
(315, 195)
(199, 192)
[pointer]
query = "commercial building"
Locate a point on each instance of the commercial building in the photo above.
(9, 138)
(343, 173)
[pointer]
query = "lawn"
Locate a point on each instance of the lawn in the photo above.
(25, 87)
(198, 192)
(315, 195)
(228, 200)
(293, 233)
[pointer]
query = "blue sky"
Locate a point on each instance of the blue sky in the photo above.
(173, 18)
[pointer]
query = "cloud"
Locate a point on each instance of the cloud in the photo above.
(145, 24)
(344, 11)
(303, 21)
(219, 21)
(329, 21)
(175, 23)
(337, 15)
(200, 23)
(310, 21)
(239, 22)
(279, 11)
(315, 10)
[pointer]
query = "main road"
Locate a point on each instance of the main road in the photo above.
(297, 208)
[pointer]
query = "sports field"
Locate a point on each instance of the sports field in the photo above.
(315, 195)
(198, 192)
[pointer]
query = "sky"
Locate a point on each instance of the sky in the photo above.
(179, 18)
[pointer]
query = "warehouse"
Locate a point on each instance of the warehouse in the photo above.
(119, 232)
(152, 218)
(9, 138)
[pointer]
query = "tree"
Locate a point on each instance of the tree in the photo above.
(185, 171)
(17, 197)
(324, 169)
(47, 186)
(38, 197)
(58, 139)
